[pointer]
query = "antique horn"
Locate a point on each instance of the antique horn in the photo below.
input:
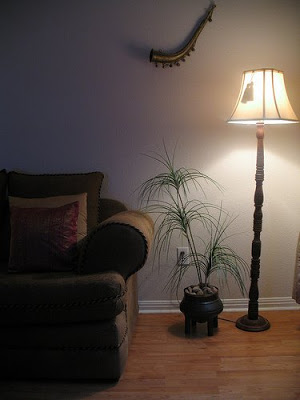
(170, 59)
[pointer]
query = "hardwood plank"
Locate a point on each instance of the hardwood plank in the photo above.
(165, 364)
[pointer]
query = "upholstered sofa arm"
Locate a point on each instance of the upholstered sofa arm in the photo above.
(120, 243)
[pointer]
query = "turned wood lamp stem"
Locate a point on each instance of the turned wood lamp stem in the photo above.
(253, 321)
(257, 224)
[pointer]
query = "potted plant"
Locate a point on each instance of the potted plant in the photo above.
(168, 195)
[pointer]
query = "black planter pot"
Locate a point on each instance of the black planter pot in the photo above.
(203, 308)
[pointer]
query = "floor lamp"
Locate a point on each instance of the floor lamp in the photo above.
(262, 100)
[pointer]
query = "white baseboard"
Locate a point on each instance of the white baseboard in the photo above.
(172, 306)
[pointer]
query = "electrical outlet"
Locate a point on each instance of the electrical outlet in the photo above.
(183, 254)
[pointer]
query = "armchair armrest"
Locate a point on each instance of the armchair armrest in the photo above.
(120, 243)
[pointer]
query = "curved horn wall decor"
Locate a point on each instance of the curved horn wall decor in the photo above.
(170, 59)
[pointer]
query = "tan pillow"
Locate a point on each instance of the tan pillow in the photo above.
(54, 202)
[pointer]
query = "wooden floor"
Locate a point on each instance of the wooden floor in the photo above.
(164, 364)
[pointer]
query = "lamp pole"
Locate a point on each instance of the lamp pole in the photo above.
(254, 322)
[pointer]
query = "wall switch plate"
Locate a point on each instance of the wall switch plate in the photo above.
(183, 255)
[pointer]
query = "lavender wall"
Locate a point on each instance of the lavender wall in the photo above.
(79, 94)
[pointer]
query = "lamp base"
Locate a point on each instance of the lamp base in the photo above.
(253, 325)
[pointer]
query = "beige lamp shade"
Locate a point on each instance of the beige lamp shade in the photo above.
(263, 99)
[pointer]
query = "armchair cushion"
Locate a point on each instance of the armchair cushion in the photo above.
(60, 297)
(43, 239)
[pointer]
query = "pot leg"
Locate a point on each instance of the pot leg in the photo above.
(216, 322)
(187, 325)
(210, 326)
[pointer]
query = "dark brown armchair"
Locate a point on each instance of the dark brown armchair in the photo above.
(75, 320)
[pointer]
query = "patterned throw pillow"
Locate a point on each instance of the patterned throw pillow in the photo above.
(57, 201)
(43, 239)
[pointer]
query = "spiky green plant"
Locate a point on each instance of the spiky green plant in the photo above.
(167, 194)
